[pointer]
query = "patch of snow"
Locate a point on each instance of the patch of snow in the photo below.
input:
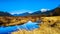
(44, 10)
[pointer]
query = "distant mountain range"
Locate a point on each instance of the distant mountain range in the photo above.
(5, 14)
(23, 14)
(53, 12)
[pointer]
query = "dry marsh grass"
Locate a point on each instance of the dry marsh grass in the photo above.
(49, 25)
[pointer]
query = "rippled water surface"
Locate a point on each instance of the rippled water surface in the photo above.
(28, 26)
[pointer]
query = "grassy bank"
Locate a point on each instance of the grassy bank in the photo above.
(49, 25)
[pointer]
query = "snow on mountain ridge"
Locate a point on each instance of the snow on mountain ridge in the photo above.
(44, 10)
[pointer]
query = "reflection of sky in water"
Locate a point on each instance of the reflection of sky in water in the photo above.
(28, 26)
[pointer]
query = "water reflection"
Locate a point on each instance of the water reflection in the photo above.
(28, 26)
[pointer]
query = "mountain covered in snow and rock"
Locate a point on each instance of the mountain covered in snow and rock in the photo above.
(5, 14)
(23, 14)
(42, 12)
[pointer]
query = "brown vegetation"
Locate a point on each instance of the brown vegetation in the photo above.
(8, 21)
(49, 25)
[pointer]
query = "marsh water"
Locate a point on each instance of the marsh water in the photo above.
(27, 26)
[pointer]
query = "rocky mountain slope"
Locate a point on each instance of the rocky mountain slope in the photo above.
(53, 12)
(4, 13)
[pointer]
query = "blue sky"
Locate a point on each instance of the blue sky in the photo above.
(21, 6)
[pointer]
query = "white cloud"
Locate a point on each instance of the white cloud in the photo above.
(44, 10)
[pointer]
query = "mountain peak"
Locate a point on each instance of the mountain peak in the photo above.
(2, 13)
(59, 6)
(44, 10)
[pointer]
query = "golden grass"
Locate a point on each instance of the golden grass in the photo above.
(10, 21)
(45, 30)
(49, 25)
